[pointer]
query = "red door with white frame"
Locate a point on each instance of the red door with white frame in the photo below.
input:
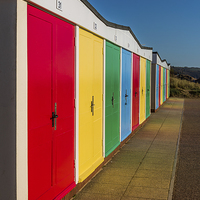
(136, 85)
(50, 105)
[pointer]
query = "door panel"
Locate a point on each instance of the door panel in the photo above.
(148, 87)
(64, 98)
(126, 94)
(142, 89)
(90, 103)
(112, 98)
(48, 77)
(157, 86)
(166, 93)
(164, 75)
(39, 126)
(168, 83)
(136, 85)
(161, 90)
(164, 82)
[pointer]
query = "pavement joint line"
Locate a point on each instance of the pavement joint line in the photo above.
(171, 187)
(146, 152)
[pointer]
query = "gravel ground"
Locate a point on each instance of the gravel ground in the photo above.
(187, 180)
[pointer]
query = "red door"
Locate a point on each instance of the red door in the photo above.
(50, 95)
(159, 84)
(136, 84)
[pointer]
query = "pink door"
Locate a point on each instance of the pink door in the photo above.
(50, 105)
(136, 84)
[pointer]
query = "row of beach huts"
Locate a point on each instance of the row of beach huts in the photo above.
(75, 87)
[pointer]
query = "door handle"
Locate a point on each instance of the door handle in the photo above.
(126, 95)
(113, 100)
(92, 106)
(135, 94)
(54, 116)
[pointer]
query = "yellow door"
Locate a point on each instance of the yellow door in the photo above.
(90, 103)
(142, 89)
(161, 89)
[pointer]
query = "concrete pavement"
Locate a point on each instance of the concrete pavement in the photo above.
(144, 167)
(187, 181)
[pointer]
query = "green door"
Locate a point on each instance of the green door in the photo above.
(112, 98)
(148, 89)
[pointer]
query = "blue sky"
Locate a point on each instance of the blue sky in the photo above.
(171, 27)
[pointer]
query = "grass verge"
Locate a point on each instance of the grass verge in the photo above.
(184, 88)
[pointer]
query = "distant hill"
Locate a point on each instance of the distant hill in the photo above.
(186, 77)
(191, 71)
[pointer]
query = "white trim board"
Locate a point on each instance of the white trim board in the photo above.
(77, 12)
(21, 103)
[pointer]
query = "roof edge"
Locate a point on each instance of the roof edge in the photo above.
(164, 60)
(113, 25)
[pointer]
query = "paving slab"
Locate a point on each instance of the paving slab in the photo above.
(143, 167)
(146, 192)
(106, 178)
(105, 188)
(153, 173)
(156, 182)
(89, 196)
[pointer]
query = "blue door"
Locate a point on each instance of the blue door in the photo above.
(157, 86)
(126, 95)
